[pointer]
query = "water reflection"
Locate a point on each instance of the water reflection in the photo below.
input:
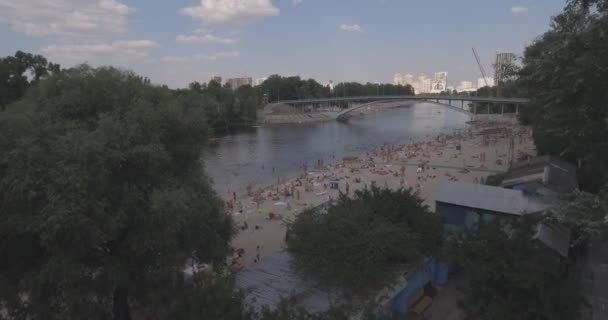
(250, 157)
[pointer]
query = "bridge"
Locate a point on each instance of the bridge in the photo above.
(347, 105)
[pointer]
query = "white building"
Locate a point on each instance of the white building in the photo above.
(481, 83)
(259, 81)
(440, 82)
(235, 83)
(466, 86)
(397, 79)
(408, 79)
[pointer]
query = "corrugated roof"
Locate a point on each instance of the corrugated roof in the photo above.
(274, 278)
(485, 197)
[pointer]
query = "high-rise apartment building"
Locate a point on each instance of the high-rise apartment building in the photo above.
(397, 79)
(504, 61)
(408, 79)
(440, 82)
(466, 86)
(235, 83)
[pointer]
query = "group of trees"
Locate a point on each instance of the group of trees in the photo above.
(359, 243)
(226, 110)
(103, 198)
(565, 74)
(19, 72)
(277, 88)
(508, 274)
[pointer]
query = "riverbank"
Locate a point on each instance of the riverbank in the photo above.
(290, 117)
(470, 155)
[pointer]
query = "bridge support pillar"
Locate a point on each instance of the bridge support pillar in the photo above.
(502, 108)
(462, 104)
(517, 109)
(488, 108)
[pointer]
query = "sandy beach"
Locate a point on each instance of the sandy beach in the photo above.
(484, 147)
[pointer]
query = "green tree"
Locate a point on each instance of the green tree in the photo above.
(103, 197)
(584, 214)
(19, 72)
(507, 274)
(565, 73)
(355, 245)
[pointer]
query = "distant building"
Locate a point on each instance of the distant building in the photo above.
(397, 79)
(259, 81)
(235, 83)
(216, 79)
(331, 85)
(439, 82)
(408, 79)
(422, 84)
(542, 176)
(463, 205)
(504, 61)
(466, 86)
(481, 83)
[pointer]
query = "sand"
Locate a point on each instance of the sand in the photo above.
(483, 148)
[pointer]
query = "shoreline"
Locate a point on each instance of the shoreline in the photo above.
(263, 212)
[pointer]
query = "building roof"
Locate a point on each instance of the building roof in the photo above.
(488, 198)
(274, 278)
(554, 173)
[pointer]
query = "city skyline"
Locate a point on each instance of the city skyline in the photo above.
(178, 42)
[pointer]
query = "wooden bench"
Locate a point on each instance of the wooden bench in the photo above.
(422, 305)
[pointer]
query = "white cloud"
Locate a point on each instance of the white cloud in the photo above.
(64, 17)
(76, 53)
(204, 39)
(201, 57)
(351, 27)
(296, 2)
(519, 9)
(231, 11)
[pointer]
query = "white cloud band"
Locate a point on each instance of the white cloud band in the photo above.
(64, 17)
(231, 11)
(351, 27)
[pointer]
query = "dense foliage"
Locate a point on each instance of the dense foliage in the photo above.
(277, 88)
(360, 241)
(510, 275)
(225, 109)
(565, 73)
(19, 72)
(103, 197)
(584, 214)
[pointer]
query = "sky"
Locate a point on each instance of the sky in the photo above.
(180, 41)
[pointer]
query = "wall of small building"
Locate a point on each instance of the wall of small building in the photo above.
(458, 218)
(431, 271)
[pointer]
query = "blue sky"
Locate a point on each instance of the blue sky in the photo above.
(180, 41)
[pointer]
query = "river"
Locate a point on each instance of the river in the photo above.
(249, 158)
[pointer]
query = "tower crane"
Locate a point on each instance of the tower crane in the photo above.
(483, 72)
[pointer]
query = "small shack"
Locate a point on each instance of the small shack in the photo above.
(544, 176)
(462, 205)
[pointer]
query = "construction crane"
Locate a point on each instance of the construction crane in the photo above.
(483, 72)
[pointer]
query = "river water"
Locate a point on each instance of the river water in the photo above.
(249, 158)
